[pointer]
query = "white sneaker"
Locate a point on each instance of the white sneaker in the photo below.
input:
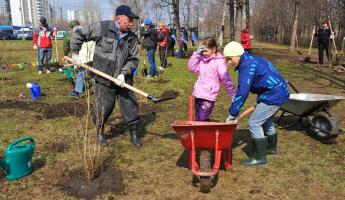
(149, 77)
(161, 68)
(48, 71)
(40, 72)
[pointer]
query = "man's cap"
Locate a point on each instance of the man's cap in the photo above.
(125, 10)
(233, 49)
(73, 23)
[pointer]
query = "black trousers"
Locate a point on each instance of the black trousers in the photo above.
(323, 47)
(105, 98)
(163, 56)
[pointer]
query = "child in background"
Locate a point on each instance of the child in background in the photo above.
(212, 68)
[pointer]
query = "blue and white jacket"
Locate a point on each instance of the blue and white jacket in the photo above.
(257, 75)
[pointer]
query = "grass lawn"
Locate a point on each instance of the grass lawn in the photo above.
(303, 169)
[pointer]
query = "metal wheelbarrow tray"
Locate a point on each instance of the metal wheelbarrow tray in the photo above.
(206, 136)
(315, 108)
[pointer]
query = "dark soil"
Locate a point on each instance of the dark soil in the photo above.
(22, 105)
(109, 180)
(57, 147)
(64, 110)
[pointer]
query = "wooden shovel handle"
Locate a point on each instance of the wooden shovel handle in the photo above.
(106, 76)
(246, 112)
(311, 41)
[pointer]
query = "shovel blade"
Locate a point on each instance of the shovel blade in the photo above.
(167, 95)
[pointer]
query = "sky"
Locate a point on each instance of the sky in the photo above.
(107, 11)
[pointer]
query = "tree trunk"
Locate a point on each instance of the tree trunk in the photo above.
(176, 6)
(247, 16)
(232, 20)
(239, 19)
(294, 28)
(220, 41)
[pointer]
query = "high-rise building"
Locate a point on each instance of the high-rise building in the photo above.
(57, 15)
(72, 15)
(5, 11)
(28, 12)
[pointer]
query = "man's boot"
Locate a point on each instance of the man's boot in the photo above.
(272, 144)
(259, 153)
(133, 130)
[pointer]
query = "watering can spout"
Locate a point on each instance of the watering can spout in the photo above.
(3, 163)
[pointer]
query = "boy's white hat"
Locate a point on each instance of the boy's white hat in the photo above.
(233, 49)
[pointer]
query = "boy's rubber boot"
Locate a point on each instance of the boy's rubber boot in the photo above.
(272, 144)
(133, 130)
(259, 153)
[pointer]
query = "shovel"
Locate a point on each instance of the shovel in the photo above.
(144, 69)
(308, 59)
(167, 95)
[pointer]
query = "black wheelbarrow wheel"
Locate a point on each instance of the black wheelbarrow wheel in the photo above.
(205, 165)
(324, 127)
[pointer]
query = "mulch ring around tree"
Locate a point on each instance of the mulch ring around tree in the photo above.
(64, 110)
(76, 184)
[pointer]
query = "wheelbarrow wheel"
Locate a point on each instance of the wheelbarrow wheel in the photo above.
(205, 165)
(323, 121)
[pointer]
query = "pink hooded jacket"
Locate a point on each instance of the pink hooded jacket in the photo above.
(211, 71)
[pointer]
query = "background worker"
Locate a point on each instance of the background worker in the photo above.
(114, 37)
(245, 39)
(150, 44)
(163, 38)
(324, 35)
(258, 76)
(42, 41)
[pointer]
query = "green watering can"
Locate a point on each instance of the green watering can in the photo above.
(18, 158)
(68, 72)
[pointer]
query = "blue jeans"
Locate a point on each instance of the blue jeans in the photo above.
(44, 52)
(261, 121)
(151, 58)
(79, 81)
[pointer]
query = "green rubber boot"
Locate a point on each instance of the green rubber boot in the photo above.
(259, 153)
(272, 144)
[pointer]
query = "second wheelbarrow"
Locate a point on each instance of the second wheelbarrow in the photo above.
(315, 109)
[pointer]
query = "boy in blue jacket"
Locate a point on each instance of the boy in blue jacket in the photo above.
(258, 76)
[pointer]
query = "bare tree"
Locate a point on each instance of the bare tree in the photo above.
(232, 19)
(239, 18)
(90, 12)
(247, 14)
(294, 28)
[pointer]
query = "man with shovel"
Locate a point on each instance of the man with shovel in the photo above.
(116, 54)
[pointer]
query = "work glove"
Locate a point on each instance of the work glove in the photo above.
(121, 79)
(55, 29)
(76, 60)
(35, 47)
(332, 36)
(201, 49)
(231, 120)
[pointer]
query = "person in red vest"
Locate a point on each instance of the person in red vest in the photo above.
(245, 38)
(42, 41)
(163, 37)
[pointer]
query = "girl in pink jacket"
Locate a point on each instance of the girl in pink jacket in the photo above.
(212, 69)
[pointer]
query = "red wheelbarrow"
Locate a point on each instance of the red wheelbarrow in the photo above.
(206, 136)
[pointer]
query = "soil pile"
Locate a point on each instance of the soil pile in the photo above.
(22, 105)
(109, 180)
(64, 110)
